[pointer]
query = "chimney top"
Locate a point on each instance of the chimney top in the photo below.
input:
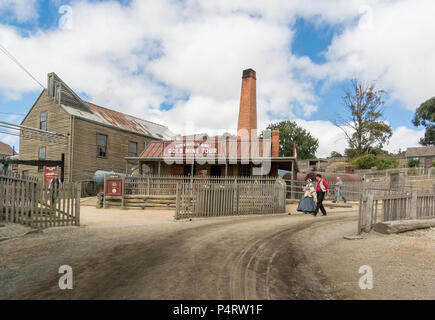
(249, 73)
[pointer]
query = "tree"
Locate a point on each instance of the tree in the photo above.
(335, 154)
(362, 124)
(290, 132)
(425, 116)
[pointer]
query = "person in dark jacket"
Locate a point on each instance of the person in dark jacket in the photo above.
(322, 188)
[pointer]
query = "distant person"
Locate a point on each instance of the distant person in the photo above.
(322, 188)
(339, 191)
(308, 200)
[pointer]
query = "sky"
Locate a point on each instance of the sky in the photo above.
(179, 63)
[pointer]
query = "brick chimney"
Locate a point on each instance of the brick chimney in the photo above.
(275, 143)
(248, 106)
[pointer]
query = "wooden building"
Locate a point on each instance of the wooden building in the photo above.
(91, 137)
(200, 155)
(425, 155)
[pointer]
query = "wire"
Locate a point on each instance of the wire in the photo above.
(10, 56)
(13, 114)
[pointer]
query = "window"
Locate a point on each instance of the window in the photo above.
(42, 156)
(145, 145)
(101, 146)
(132, 149)
(244, 170)
(43, 121)
(42, 153)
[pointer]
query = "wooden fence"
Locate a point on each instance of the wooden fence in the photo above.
(374, 208)
(216, 199)
(29, 203)
(167, 185)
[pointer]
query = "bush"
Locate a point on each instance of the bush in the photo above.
(386, 163)
(433, 164)
(414, 163)
(369, 161)
(365, 162)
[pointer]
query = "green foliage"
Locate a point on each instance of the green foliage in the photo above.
(386, 163)
(414, 163)
(350, 153)
(425, 116)
(365, 162)
(370, 161)
(335, 154)
(290, 132)
(362, 124)
(433, 164)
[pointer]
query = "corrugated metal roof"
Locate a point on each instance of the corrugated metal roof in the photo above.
(233, 149)
(420, 151)
(6, 149)
(121, 121)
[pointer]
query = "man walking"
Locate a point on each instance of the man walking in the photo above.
(322, 188)
(339, 191)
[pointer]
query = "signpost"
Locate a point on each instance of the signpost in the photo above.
(113, 188)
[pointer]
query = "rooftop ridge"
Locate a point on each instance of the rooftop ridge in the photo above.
(126, 114)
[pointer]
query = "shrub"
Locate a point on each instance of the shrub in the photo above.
(365, 162)
(386, 163)
(414, 163)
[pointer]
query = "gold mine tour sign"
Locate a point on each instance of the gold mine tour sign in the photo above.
(192, 148)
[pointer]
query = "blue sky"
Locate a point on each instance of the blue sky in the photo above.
(154, 64)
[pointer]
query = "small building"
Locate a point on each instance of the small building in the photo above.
(312, 164)
(201, 155)
(91, 137)
(425, 155)
(6, 151)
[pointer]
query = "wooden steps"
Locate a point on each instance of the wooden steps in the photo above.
(150, 201)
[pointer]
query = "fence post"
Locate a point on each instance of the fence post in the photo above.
(413, 213)
(177, 203)
(148, 186)
(368, 213)
(78, 194)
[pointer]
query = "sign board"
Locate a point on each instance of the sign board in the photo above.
(50, 173)
(113, 188)
(193, 148)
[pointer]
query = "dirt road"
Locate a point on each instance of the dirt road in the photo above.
(254, 257)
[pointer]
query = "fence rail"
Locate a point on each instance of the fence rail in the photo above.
(167, 185)
(215, 199)
(29, 203)
(400, 206)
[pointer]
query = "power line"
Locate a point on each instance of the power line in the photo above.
(13, 114)
(10, 56)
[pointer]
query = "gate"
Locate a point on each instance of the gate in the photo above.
(30, 203)
(214, 199)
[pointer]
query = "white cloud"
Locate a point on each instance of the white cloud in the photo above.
(20, 10)
(191, 53)
(392, 44)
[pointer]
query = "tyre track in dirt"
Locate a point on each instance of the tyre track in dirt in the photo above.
(217, 258)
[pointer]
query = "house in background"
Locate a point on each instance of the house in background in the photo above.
(94, 137)
(425, 155)
(244, 155)
(6, 151)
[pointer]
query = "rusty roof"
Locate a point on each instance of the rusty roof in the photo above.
(121, 121)
(6, 149)
(233, 148)
(421, 151)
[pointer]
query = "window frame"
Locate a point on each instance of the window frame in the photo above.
(45, 121)
(128, 151)
(107, 146)
(41, 168)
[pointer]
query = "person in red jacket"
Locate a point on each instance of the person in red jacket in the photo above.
(322, 188)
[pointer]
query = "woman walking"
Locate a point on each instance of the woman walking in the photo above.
(308, 201)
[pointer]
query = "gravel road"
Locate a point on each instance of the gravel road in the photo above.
(253, 257)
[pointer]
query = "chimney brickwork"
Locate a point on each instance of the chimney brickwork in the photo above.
(248, 106)
(275, 143)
